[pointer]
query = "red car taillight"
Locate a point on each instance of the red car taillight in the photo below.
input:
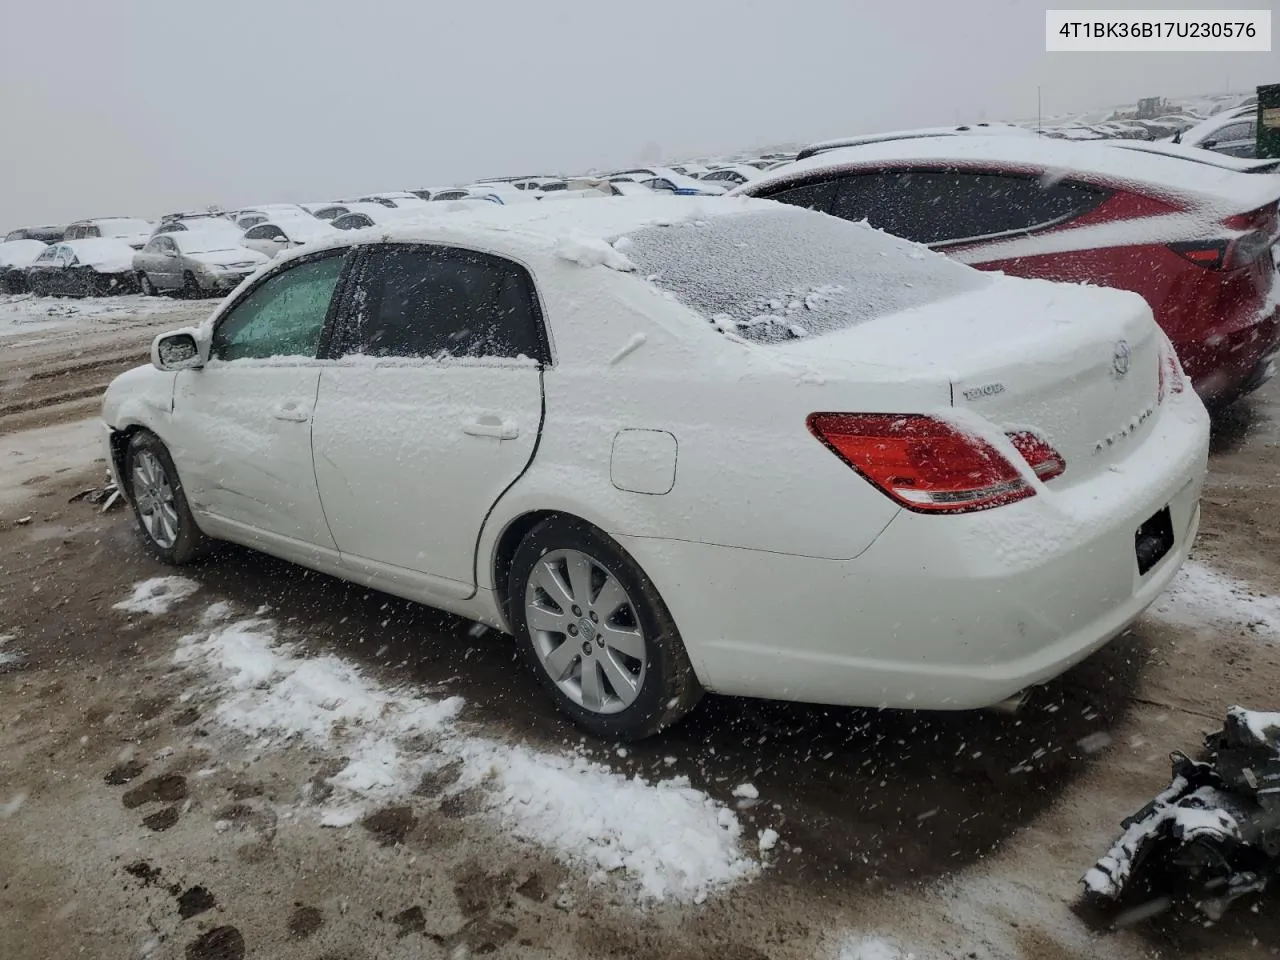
(929, 465)
(1226, 254)
(1169, 379)
(1039, 454)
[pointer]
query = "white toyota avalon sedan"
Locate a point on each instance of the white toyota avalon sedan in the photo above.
(676, 445)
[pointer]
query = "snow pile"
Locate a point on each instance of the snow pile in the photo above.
(669, 839)
(589, 251)
(872, 948)
(1201, 596)
(673, 840)
(157, 595)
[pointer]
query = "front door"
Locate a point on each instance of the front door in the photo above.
(241, 436)
(431, 409)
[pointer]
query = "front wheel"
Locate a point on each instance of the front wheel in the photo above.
(160, 503)
(597, 634)
(146, 286)
(191, 286)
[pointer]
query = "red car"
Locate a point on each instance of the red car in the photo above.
(1195, 239)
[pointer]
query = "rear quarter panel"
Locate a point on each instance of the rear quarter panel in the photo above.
(748, 473)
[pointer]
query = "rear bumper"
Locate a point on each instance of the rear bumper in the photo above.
(941, 612)
(1226, 365)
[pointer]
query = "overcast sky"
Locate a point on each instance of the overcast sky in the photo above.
(122, 107)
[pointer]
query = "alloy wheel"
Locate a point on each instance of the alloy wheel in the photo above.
(585, 631)
(153, 496)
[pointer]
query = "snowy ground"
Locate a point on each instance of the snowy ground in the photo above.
(24, 314)
(248, 760)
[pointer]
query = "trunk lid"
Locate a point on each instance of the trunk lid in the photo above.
(1076, 365)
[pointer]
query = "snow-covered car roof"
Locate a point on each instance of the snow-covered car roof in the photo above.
(304, 229)
(1199, 155)
(118, 226)
(20, 253)
(204, 241)
(542, 226)
(106, 254)
(983, 129)
(1166, 175)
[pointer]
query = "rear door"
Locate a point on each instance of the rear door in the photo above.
(241, 425)
(431, 408)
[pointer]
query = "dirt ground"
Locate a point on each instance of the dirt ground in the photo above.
(948, 835)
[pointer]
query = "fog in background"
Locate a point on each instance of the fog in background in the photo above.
(113, 108)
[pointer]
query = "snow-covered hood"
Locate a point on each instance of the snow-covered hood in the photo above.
(224, 258)
(20, 253)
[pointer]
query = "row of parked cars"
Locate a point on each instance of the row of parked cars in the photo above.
(1190, 229)
(209, 253)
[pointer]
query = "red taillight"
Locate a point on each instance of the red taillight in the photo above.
(1227, 254)
(926, 464)
(1170, 379)
(1039, 454)
(1210, 254)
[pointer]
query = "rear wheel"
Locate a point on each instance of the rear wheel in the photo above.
(595, 631)
(159, 502)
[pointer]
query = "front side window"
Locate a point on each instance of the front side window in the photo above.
(451, 195)
(283, 316)
(417, 300)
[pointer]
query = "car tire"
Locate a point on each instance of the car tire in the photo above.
(146, 286)
(191, 286)
(596, 633)
(160, 503)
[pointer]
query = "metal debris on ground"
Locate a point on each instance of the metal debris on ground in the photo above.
(1213, 834)
(108, 495)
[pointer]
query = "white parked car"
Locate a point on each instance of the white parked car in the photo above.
(131, 230)
(730, 175)
(282, 233)
(195, 262)
(679, 445)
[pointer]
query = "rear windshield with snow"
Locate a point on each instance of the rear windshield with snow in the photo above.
(776, 275)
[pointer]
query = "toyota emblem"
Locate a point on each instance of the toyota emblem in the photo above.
(1120, 358)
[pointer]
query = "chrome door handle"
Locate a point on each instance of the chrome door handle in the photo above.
(488, 425)
(294, 411)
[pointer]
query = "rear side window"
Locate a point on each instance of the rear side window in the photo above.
(939, 206)
(784, 273)
(1234, 131)
(420, 300)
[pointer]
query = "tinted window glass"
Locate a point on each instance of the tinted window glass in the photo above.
(283, 316)
(425, 301)
(450, 195)
(933, 206)
(813, 196)
(1235, 131)
(352, 221)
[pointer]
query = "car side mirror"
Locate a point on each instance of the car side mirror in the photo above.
(279, 239)
(178, 350)
(1208, 144)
